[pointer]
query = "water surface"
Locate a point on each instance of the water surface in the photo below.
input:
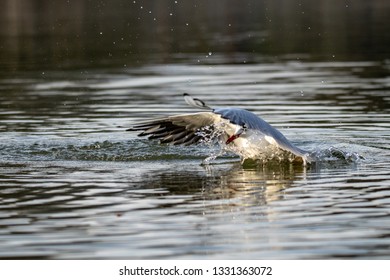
(75, 184)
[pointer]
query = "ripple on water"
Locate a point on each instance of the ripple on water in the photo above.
(75, 185)
(141, 150)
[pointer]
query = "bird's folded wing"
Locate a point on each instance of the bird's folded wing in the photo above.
(180, 129)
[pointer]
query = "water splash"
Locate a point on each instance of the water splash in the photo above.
(254, 147)
(265, 153)
(333, 154)
(210, 134)
(211, 139)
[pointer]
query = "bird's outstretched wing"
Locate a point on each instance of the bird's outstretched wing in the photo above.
(180, 129)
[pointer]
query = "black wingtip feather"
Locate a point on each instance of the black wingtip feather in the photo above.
(166, 132)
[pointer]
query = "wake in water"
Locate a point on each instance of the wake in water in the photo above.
(273, 155)
(210, 148)
(333, 154)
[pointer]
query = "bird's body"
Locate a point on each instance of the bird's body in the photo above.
(236, 130)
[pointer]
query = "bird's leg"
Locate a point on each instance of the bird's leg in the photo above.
(240, 130)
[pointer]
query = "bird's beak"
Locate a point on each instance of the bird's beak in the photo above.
(237, 134)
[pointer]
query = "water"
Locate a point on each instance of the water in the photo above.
(74, 184)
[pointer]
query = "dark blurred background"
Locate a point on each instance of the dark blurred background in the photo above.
(61, 34)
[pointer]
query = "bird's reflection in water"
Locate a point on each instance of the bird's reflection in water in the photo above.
(251, 185)
(226, 183)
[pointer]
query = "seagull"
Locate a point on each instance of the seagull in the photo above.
(236, 130)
